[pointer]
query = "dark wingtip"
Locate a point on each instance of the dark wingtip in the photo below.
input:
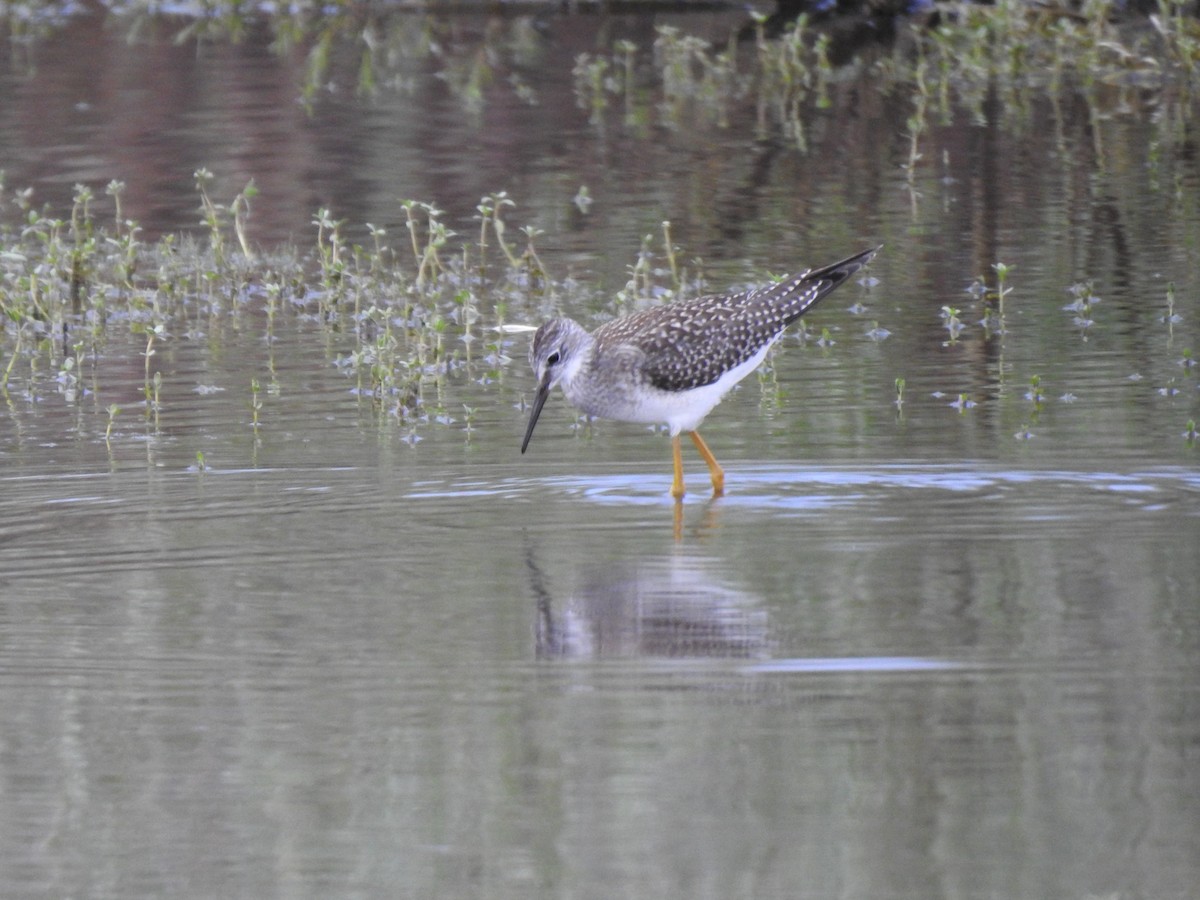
(857, 261)
(828, 278)
(840, 271)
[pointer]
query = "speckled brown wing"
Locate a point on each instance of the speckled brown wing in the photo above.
(693, 342)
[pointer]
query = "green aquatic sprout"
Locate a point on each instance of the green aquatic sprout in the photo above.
(953, 323)
(640, 284)
(468, 315)
(824, 70)
(83, 245)
(1172, 318)
(877, 332)
(213, 215)
(627, 50)
(240, 209)
(591, 85)
(330, 248)
(533, 263)
(128, 253)
(1034, 394)
(377, 258)
(583, 200)
(155, 405)
(1037, 397)
(426, 246)
(670, 248)
(115, 189)
(487, 209)
(439, 327)
(147, 386)
(67, 379)
(1002, 289)
(1085, 298)
(498, 202)
(255, 403)
(113, 411)
(962, 403)
(410, 222)
(918, 122)
(81, 214)
(899, 401)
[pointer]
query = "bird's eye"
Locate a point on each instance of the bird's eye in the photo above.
(552, 359)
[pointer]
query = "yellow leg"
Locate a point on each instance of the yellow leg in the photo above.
(677, 484)
(714, 468)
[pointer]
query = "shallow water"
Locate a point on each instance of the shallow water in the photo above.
(852, 679)
(915, 652)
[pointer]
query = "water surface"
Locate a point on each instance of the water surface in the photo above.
(934, 650)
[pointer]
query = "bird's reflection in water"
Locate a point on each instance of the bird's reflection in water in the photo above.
(669, 607)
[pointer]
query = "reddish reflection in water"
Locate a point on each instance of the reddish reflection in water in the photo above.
(491, 107)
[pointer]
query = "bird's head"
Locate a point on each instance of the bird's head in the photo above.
(555, 355)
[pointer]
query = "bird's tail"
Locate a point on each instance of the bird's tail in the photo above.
(840, 271)
(817, 283)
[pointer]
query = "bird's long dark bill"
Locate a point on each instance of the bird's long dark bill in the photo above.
(539, 401)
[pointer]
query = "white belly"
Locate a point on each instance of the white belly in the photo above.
(685, 410)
